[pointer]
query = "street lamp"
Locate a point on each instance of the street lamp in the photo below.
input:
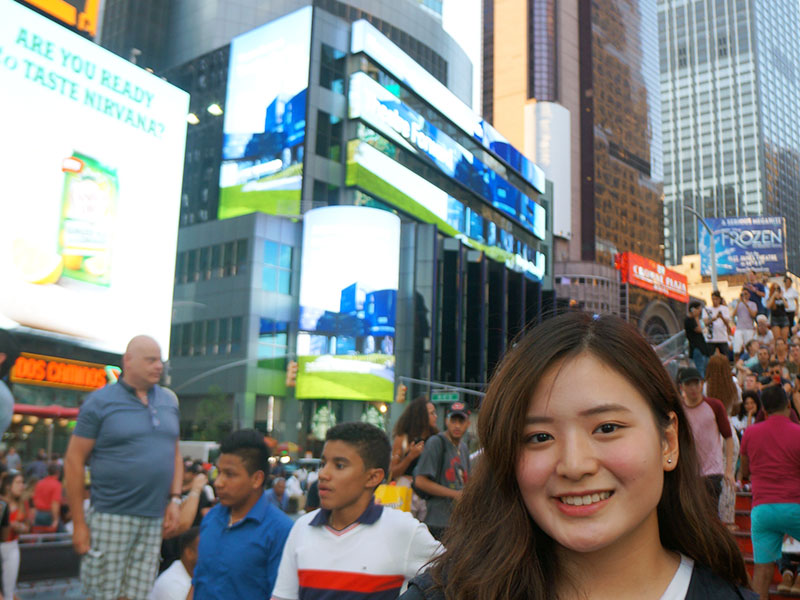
(713, 246)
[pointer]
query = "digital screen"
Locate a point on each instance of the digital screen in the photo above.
(79, 14)
(92, 161)
(379, 175)
(742, 244)
(348, 296)
(380, 108)
(367, 39)
(265, 118)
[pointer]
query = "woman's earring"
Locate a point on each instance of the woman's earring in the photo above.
(669, 461)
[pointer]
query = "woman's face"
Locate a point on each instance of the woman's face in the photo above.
(431, 414)
(591, 467)
(17, 486)
(749, 405)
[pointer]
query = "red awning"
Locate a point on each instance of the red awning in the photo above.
(53, 411)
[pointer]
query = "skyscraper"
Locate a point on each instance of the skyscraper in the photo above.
(731, 95)
(587, 72)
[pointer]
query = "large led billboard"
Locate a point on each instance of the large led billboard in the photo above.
(348, 296)
(92, 159)
(742, 244)
(379, 175)
(265, 118)
(365, 38)
(380, 108)
(78, 14)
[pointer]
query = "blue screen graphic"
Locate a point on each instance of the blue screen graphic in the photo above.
(384, 111)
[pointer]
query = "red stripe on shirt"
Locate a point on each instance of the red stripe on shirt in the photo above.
(348, 581)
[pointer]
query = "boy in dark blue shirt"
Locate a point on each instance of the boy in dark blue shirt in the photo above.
(242, 538)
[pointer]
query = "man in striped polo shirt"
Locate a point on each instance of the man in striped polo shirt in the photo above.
(352, 548)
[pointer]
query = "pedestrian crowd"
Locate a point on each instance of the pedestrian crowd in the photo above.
(597, 475)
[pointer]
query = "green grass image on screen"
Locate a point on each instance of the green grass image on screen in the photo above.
(234, 202)
(338, 385)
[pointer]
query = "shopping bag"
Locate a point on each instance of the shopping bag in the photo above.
(394, 496)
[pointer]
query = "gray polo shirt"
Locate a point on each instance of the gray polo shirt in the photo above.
(133, 459)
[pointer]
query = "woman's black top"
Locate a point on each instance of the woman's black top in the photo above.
(704, 585)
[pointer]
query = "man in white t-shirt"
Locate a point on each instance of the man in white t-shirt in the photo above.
(174, 583)
(764, 334)
(790, 296)
(744, 312)
(718, 319)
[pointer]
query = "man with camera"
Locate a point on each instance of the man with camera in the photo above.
(744, 314)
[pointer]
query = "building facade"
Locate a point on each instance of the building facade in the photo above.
(730, 91)
(576, 85)
(361, 125)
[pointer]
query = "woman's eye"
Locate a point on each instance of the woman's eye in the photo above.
(539, 438)
(608, 428)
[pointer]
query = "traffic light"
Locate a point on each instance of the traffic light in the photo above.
(291, 374)
(400, 395)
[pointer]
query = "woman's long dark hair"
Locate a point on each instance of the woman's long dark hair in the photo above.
(414, 422)
(753, 395)
(494, 549)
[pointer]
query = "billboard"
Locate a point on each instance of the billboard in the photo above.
(381, 176)
(348, 295)
(64, 373)
(367, 39)
(265, 118)
(92, 158)
(380, 108)
(650, 275)
(78, 14)
(742, 244)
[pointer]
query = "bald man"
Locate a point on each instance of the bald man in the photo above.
(128, 432)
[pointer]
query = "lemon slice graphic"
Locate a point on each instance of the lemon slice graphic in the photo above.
(36, 265)
(96, 265)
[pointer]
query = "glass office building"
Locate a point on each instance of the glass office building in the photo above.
(349, 120)
(730, 99)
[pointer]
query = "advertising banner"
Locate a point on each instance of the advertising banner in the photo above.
(743, 244)
(92, 159)
(380, 108)
(367, 39)
(650, 275)
(348, 296)
(80, 15)
(376, 173)
(64, 373)
(265, 118)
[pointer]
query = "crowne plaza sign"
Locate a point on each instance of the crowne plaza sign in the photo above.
(650, 275)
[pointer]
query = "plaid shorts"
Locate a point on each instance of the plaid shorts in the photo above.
(123, 559)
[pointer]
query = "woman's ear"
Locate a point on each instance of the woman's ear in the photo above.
(671, 448)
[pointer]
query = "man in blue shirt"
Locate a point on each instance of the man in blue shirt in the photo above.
(277, 495)
(128, 433)
(242, 538)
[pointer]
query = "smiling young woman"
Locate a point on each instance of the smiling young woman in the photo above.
(588, 483)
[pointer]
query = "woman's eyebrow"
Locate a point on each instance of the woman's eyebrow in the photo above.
(594, 410)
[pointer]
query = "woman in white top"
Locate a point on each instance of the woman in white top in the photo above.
(748, 411)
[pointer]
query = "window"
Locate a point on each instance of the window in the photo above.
(329, 135)
(331, 70)
(241, 255)
(276, 274)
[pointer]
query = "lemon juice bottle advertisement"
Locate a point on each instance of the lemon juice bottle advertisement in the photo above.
(90, 196)
(87, 219)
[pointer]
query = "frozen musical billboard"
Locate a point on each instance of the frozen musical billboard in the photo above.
(742, 244)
